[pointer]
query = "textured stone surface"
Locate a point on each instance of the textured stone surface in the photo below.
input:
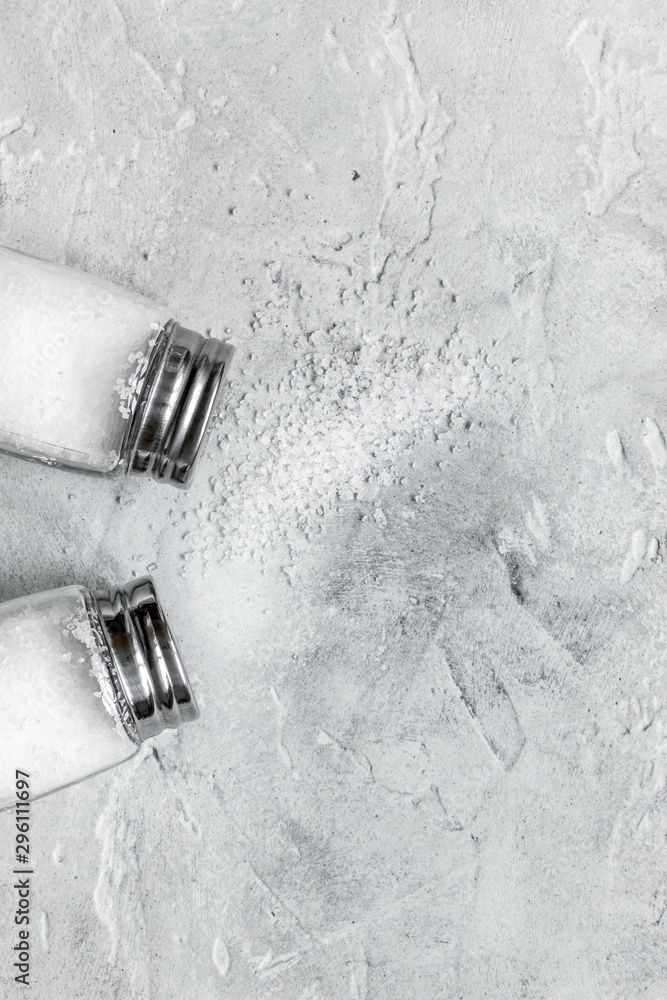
(419, 583)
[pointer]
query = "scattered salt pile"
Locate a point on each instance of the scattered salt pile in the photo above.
(342, 424)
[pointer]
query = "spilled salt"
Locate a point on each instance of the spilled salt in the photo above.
(339, 426)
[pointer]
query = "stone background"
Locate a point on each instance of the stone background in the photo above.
(419, 583)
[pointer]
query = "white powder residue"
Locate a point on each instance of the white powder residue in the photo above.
(343, 423)
(129, 389)
(80, 627)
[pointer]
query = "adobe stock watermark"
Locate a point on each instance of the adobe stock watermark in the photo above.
(21, 950)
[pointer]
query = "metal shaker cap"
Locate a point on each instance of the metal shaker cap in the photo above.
(146, 658)
(185, 376)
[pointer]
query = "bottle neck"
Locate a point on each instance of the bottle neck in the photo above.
(186, 373)
(145, 658)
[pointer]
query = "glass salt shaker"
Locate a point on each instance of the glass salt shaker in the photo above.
(98, 378)
(85, 678)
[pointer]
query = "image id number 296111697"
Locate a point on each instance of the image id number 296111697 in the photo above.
(23, 871)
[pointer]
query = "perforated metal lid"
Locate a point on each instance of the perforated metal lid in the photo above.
(146, 658)
(185, 376)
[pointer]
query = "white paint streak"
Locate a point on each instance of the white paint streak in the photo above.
(636, 554)
(117, 897)
(655, 442)
(44, 930)
(10, 125)
(221, 958)
(186, 120)
(269, 965)
(616, 452)
(538, 523)
(416, 128)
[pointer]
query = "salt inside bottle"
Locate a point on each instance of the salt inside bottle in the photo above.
(99, 378)
(84, 679)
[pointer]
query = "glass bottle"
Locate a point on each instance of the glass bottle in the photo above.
(99, 378)
(84, 679)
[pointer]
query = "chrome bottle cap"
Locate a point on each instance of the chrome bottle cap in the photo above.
(182, 386)
(146, 658)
